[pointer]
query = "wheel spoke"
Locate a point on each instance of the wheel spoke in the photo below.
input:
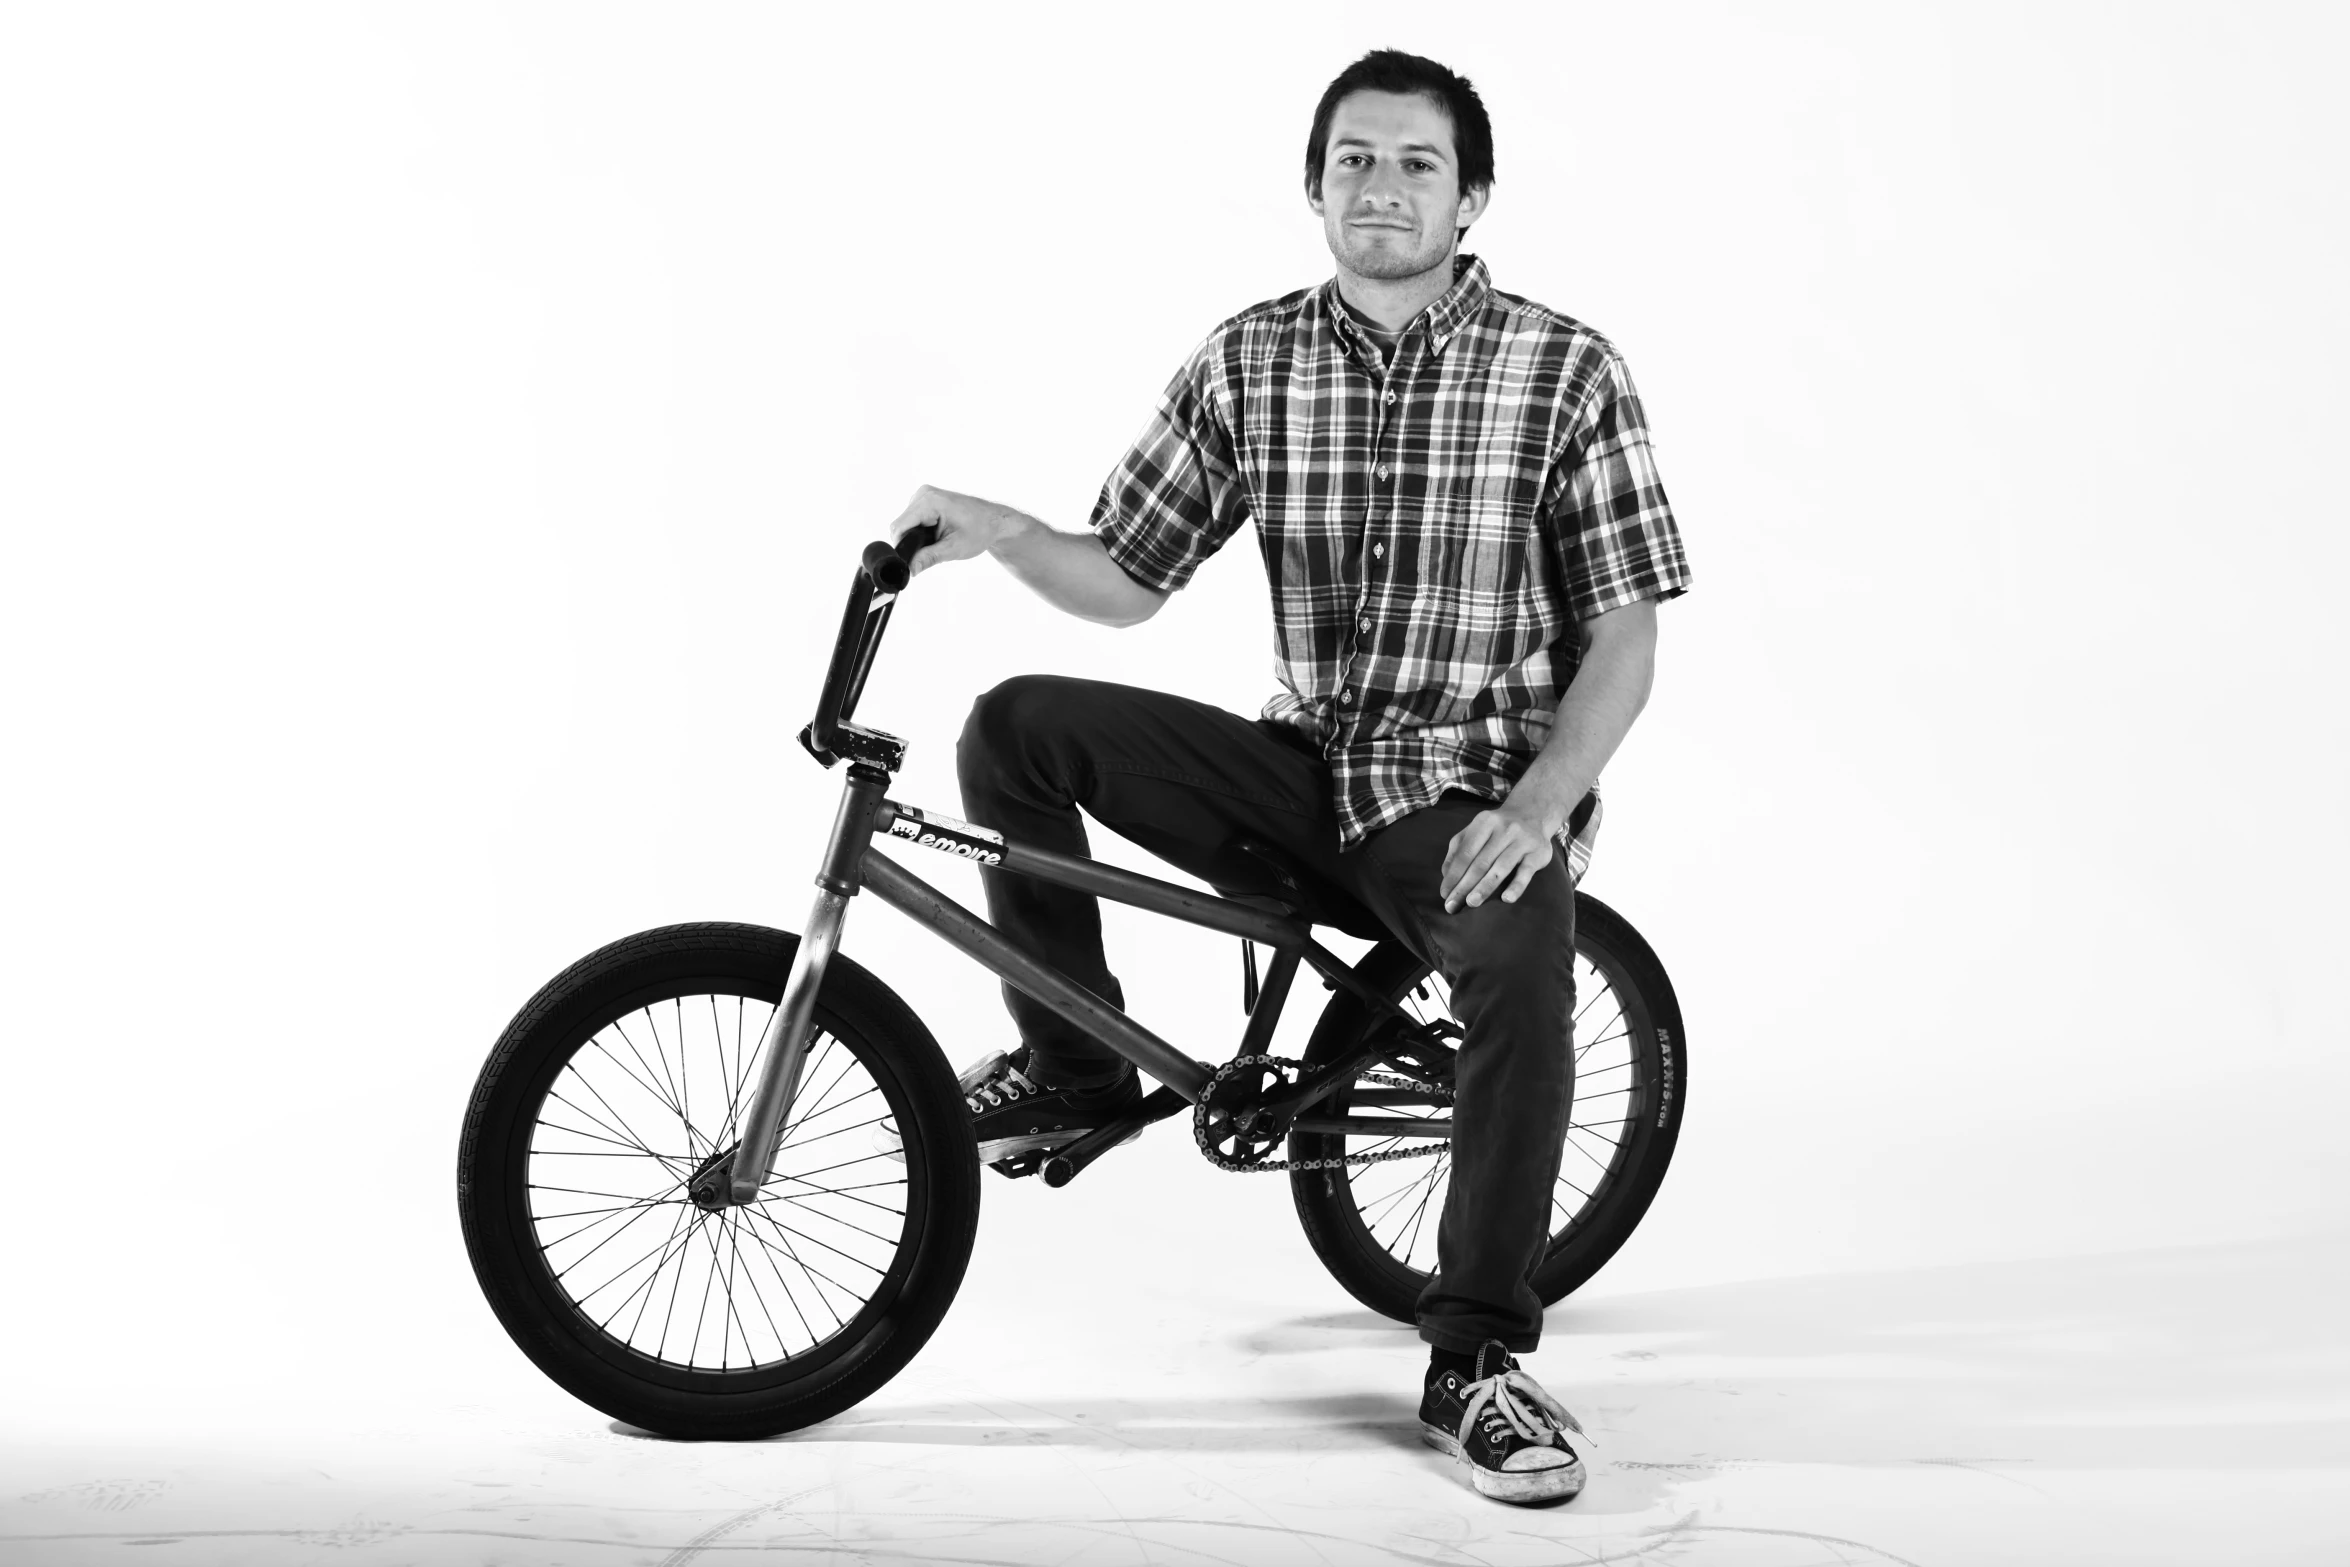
(668, 1096)
(734, 1229)
(798, 1122)
(844, 1164)
(628, 1150)
(833, 1219)
(623, 1128)
(660, 1261)
(783, 1243)
(623, 1134)
(1420, 1212)
(815, 1191)
(808, 1073)
(661, 1053)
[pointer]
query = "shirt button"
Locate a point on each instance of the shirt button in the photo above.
(1391, 397)
(1383, 473)
(1378, 551)
(1348, 695)
(1364, 623)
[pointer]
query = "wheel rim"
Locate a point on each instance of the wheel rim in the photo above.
(636, 1108)
(1399, 1202)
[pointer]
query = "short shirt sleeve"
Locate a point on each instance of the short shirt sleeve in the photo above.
(1612, 534)
(1176, 496)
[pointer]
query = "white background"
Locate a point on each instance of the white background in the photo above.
(434, 443)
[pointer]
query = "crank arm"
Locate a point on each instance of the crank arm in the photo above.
(1063, 1164)
(1320, 1086)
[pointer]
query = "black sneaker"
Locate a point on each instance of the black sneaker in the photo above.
(1511, 1435)
(1013, 1114)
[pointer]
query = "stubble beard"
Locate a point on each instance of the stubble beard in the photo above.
(1388, 263)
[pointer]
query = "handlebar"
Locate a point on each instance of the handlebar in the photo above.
(882, 574)
(886, 564)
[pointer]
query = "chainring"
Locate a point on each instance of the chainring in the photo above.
(1233, 1133)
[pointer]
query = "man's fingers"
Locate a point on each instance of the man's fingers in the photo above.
(924, 510)
(917, 513)
(1520, 880)
(1476, 875)
(1534, 857)
(1459, 855)
(1472, 849)
(1490, 856)
(1505, 859)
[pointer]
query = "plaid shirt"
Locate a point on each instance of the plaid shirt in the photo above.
(1433, 528)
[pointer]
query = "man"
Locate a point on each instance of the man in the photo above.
(1466, 542)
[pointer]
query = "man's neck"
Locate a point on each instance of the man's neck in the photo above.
(1392, 304)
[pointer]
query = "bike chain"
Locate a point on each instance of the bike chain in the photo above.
(1199, 1123)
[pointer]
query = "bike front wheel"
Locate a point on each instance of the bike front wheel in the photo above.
(623, 1078)
(1374, 1225)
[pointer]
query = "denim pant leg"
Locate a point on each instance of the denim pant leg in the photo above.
(1181, 778)
(1511, 967)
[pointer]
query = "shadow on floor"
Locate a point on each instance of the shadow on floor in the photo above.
(2197, 1358)
(1337, 1423)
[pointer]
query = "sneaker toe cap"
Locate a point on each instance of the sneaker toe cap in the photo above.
(1534, 1460)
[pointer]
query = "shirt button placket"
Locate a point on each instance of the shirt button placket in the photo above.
(1382, 510)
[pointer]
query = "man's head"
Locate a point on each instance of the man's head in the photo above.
(1399, 164)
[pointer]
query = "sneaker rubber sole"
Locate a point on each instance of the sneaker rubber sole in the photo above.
(1555, 1484)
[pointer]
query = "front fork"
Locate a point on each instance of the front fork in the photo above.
(785, 1047)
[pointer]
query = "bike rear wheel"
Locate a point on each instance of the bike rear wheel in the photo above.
(1374, 1225)
(600, 1102)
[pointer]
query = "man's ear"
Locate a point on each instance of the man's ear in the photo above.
(1314, 196)
(1473, 204)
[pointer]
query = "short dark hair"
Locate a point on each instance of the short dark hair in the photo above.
(1392, 70)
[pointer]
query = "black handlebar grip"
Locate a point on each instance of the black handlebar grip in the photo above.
(886, 567)
(886, 564)
(917, 540)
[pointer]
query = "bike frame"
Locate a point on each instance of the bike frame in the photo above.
(849, 866)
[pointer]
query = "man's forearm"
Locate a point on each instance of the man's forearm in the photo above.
(1073, 572)
(1611, 686)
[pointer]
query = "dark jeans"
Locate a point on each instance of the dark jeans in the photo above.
(1187, 781)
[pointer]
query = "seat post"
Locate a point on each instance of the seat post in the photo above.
(1264, 1013)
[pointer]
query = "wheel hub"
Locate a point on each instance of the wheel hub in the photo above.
(712, 1186)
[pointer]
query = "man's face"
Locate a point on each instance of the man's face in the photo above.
(1391, 191)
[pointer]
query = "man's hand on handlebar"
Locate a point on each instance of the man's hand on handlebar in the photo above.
(966, 525)
(1072, 571)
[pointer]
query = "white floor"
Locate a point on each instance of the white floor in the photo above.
(2187, 1406)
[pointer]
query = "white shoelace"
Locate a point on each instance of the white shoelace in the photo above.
(1013, 1084)
(1505, 1397)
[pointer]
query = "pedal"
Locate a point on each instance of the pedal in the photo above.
(1021, 1164)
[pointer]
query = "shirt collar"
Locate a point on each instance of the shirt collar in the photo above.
(1453, 309)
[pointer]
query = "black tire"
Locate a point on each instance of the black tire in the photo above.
(1374, 1226)
(592, 1112)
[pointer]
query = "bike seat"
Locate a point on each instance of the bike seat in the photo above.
(1303, 895)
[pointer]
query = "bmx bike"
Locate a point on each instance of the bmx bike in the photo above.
(718, 1181)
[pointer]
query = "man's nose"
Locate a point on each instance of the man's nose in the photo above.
(1384, 188)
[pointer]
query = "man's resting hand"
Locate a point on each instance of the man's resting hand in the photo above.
(1498, 852)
